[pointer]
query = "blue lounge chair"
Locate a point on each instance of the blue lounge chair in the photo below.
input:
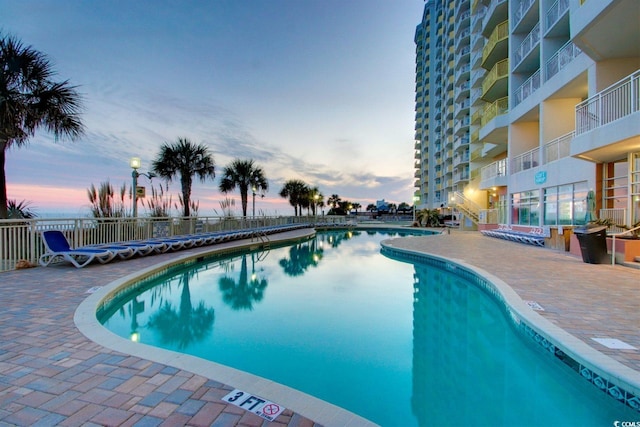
(121, 251)
(58, 248)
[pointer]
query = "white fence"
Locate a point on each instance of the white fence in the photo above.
(617, 101)
(22, 239)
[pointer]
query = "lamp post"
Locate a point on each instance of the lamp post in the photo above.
(254, 189)
(135, 165)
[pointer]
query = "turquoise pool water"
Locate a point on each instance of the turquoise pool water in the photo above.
(401, 344)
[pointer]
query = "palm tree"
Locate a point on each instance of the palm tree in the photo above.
(186, 159)
(245, 175)
(334, 201)
(30, 99)
(316, 199)
(20, 210)
(430, 217)
(296, 191)
(188, 324)
(242, 294)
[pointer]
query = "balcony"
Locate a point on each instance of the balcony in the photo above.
(526, 47)
(498, 108)
(497, 12)
(558, 148)
(496, 83)
(617, 101)
(521, 11)
(495, 169)
(497, 46)
(461, 159)
(555, 13)
(526, 161)
(461, 142)
(527, 88)
(560, 59)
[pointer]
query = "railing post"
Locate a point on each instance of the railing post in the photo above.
(613, 250)
(32, 240)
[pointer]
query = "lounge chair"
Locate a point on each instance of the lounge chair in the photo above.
(58, 248)
(121, 251)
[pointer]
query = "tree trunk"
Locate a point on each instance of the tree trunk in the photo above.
(3, 181)
(186, 195)
(243, 200)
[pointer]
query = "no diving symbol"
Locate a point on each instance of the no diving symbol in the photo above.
(259, 406)
(271, 409)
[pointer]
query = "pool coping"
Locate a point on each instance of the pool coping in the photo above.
(602, 371)
(85, 319)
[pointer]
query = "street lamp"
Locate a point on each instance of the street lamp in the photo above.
(254, 189)
(135, 164)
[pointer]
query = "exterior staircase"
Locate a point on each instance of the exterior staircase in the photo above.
(466, 206)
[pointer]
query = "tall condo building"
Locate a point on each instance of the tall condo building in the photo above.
(523, 107)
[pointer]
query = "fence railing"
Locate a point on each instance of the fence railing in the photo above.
(558, 148)
(525, 161)
(556, 11)
(527, 45)
(615, 102)
(617, 216)
(21, 239)
(560, 59)
(527, 88)
(495, 169)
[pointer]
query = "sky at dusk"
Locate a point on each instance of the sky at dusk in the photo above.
(318, 90)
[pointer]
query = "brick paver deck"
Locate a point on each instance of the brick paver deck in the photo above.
(51, 374)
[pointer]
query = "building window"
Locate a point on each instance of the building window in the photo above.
(525, 208)
(565, 204)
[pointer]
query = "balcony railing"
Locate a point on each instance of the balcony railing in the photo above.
(460, 71)
(527, 88)
(555, 13)
(558, 148)
(560, 59)
(617, 101)
(495, 169)
(526, 160)
(519, 12)
(499, 107)
(499, 71)
(501, 32)
(527, 45)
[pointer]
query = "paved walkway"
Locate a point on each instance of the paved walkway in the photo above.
(51, 374)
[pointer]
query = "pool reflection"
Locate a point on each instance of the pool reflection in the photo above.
(241, 294)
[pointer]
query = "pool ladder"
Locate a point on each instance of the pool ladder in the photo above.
(264, 240)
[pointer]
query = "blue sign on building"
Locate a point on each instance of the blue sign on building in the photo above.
(541, 177)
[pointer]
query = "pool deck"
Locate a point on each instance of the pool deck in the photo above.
(52, 374)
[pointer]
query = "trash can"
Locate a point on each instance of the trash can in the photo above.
(593, 244)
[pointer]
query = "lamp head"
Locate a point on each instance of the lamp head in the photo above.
(135, 163)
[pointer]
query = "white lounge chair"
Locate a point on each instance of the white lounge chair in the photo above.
(58, 248)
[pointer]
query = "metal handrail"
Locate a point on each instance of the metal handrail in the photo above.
(613, 243)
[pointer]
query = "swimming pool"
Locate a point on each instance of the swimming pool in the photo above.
(399, 343)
